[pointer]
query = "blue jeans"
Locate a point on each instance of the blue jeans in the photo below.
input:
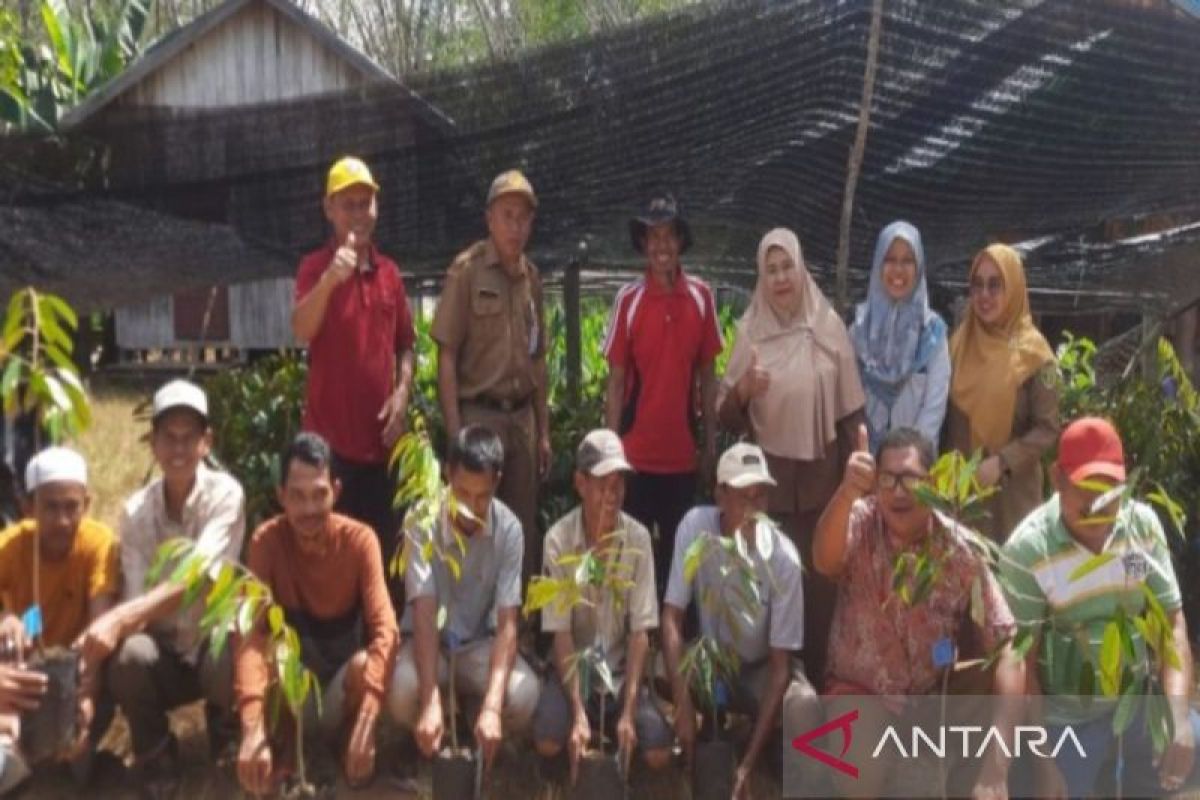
(1082, 775)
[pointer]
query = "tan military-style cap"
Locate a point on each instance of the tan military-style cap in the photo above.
(512, 182)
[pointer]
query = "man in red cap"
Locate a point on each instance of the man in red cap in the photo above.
(352, 311)
(1074, 602)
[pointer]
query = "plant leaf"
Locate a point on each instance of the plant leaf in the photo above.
(1091, 565)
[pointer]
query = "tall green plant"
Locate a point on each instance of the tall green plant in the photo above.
(420, 489)
(237, 602)
(707, 664)
(38, 376)
(1158, 417)
(37, 373)
(957, 498)
(597, 577)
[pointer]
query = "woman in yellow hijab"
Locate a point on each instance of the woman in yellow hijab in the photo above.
(1004, 390)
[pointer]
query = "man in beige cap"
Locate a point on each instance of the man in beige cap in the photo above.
(492, 349)
(770, 685)
(620, 625)
(352, 312)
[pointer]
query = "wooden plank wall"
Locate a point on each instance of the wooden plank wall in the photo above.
(256, 56)
(145, 325)
(260, 314)
(260, 318)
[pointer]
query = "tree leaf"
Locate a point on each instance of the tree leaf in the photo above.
(693, 557)
(1110, 660)
(11, 378)
(1091, 565)
(59, 309)
(1125, 708)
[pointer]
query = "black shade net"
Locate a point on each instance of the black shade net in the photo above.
(1033, 122)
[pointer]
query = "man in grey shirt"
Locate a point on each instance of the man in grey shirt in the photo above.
(616, 620)
(770, 678)
(481, 608)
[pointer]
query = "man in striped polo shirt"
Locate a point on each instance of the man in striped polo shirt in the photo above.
(1069, 607)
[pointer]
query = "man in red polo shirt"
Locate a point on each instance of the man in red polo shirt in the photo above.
(352, 311)
(663, 337)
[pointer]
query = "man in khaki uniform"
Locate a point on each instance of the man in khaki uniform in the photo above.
(492, 349)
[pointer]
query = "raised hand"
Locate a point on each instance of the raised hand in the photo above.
(860, 468)
(345, 261)
(755, 381)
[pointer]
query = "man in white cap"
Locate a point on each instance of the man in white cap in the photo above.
(77, 575)
(770, 678)
(619, 622)
(160, 662)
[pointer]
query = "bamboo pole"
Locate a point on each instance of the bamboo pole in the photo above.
(854, 165)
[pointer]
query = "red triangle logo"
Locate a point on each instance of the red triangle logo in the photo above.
(803, 743)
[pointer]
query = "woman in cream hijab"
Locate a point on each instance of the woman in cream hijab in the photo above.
(1004, 390)
(792, 384)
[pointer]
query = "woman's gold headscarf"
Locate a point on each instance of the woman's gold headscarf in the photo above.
(991, 363)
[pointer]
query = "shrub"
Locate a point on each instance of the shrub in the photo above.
(255, 411)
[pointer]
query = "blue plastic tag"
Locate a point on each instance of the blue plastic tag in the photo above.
(943, 653)
(32, 620)
(451, 640)
(721, 694)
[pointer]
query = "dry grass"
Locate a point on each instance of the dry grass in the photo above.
(118, 458)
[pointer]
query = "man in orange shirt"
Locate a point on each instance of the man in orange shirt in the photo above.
(78, 576)
(326, 571)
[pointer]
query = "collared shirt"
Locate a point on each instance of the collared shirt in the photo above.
(494, 321)
(490, 577)
(1039, 559)
(661, 337)
(775, 623)
(90, 570)
(352, 359)
(213, 516)
(607, 618)
(879, 644)
(346, 581)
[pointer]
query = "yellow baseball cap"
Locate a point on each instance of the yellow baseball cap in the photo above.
(512, 182)
(348, 171)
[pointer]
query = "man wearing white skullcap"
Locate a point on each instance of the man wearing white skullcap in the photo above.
(77, 570)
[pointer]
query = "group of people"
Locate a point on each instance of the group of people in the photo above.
(840, 426)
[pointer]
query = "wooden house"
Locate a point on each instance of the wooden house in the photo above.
(232, 120)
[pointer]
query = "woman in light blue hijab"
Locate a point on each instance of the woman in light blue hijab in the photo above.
(901, 344)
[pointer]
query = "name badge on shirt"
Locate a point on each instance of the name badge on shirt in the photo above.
(1137, 566)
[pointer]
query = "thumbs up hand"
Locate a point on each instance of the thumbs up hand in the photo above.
(345, 262)
(860, 467)
(755, 381)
